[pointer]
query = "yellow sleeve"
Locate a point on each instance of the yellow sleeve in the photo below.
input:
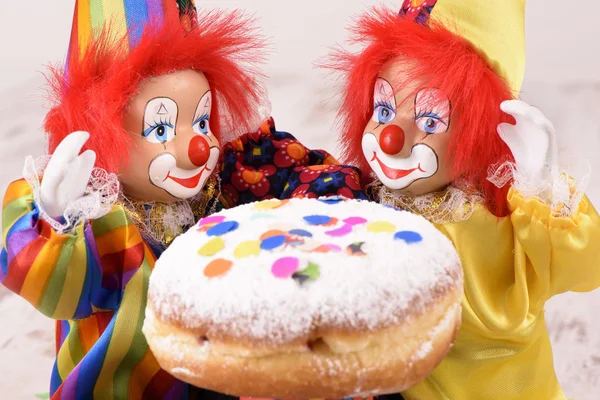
(564, 252)
(513, 265)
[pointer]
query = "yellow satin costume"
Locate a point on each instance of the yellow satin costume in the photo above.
(512, 265)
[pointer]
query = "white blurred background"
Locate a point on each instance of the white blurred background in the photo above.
(563, 79)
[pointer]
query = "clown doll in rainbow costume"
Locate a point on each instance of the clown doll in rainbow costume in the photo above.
(429, 111)
(150, 90)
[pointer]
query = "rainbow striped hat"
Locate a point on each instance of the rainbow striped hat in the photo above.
(126, 18)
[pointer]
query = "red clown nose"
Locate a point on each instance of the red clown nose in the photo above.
(199, 151)
(392, 140)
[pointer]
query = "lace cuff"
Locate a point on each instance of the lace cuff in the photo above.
(562, 194)
(101, 194)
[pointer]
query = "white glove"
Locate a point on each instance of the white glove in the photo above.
(532, 142)
(67, 175)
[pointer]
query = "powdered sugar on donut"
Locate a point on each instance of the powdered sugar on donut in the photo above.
(389, 266)
(443, 326)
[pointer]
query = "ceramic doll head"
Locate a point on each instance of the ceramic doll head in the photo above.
(422, 103)
(407, 138)
(173, 147)
(157, 100)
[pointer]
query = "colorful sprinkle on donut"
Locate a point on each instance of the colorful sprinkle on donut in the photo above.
(381, 227)
(332, 222)
(310, 273)
(317, 219)
(301, 233)
(328, 248)
(331, 200)
(355, 221)
(213, 220)
(247, 249)
(217, 268)
(409, 237)
(212, 247)
(283, 203)
(273, 242)
(294, 241)
(356, 249)
(271, 233)
(267, 205)
(222, 228)
(285, 267)
(339, 232)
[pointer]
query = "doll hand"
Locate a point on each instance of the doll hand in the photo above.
(532, 142)
(67, 175)
(535, 172)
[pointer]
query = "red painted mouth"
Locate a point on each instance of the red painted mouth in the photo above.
(395, 174)
(189, 183)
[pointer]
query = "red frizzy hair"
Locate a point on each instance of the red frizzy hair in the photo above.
(442, 60)
(93, 93)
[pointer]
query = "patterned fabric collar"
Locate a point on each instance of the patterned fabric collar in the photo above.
(446, 206)
(161, 223)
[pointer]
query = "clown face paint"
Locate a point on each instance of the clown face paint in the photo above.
(174, 150)
(406, 141)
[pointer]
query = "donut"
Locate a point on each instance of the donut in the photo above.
(305, 298)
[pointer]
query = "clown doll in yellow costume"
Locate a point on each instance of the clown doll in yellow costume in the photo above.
(430, 113)
(147, 134)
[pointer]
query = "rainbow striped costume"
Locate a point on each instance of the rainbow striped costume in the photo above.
(94, 280)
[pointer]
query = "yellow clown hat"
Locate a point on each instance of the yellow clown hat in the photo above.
(125, 18)
(495, 27)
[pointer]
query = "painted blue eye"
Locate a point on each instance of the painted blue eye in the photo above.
(431, 123)
(201, 125)
(161, 132)
(383, 113)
